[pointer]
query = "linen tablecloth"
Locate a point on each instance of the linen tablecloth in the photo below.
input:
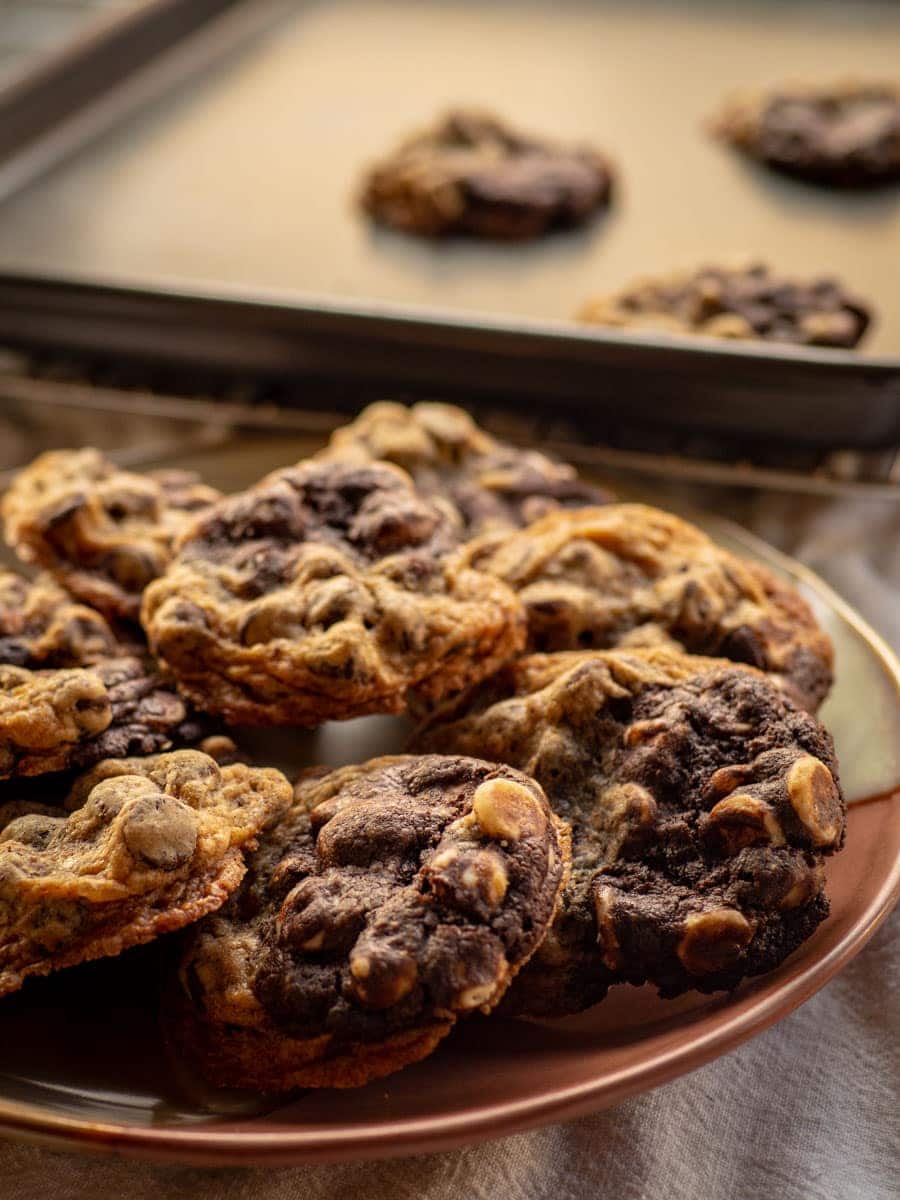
(807, 1111)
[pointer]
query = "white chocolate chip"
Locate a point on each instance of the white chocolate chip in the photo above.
(712, 941)
(815, 799)
(506, 811)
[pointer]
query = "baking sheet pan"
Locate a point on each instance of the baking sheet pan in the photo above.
(238, 189)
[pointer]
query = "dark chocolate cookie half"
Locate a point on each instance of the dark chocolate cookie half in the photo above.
(488, 484)
(141, 847)
(395, 898)
(844, 135)
(326, 591)
(746, 302)
(701, 803)
(473, 174)
(631, 575)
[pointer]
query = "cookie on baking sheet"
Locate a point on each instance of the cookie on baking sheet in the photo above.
(396, 897)
(102, 532)
(326, 591)
(628, 574)
(141, 847)
(741, 302)
(701, 804)
(845, 134)
(472, 174)
(489, 484)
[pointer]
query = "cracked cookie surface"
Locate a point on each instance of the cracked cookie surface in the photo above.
(396, 897)
(324, 592)
(843, 135)
(42, 626)
(747, 302)
(103, 532)
(472, 174)
(628, 575)
(488, 483)
(701, 804)
(141, 847)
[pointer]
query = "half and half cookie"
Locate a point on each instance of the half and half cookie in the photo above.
(328, 590)
(628, 574)
(701, 804)
(397, 897)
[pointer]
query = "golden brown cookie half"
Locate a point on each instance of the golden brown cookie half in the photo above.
(488, 484)
(142, 847)
(627, 575)
(701, 804)
(472, 174)
(398, 896)
(103, 532)
(325, 592)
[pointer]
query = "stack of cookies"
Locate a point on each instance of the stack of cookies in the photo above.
(616, 776)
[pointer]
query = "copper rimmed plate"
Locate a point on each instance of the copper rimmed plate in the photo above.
(83, 1064)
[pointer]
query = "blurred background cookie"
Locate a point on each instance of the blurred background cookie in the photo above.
(471, 173)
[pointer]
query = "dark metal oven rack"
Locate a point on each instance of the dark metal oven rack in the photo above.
(49, 400)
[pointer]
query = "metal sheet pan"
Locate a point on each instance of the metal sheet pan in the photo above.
(228, 207)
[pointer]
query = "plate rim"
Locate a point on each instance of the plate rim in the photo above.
(280, 1147)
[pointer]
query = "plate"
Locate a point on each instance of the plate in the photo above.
(83, 1064)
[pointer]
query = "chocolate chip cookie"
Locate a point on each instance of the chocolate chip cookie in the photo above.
(74, 690)
(749, 302)
(488, 484)
(142, 847)
(845, 135)
(397, 897)
(701, 803)
(472, 174)
(102, 532)
(628, 574)
(57, 720)
(42, 626)
(324, 592)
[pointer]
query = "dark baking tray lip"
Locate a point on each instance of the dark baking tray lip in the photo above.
(592, 377)
(85, 297)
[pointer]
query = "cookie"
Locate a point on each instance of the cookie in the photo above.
(57, 720)
(627, 575)
(746, 302)
(325, 592)
(471, 174)
(701, 803)
(42, 626)
(102, 532)
(397, 897)
(844, 135)
(142, 847)
(488, 484)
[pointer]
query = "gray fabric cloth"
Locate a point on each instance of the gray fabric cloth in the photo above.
(807, 1111)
